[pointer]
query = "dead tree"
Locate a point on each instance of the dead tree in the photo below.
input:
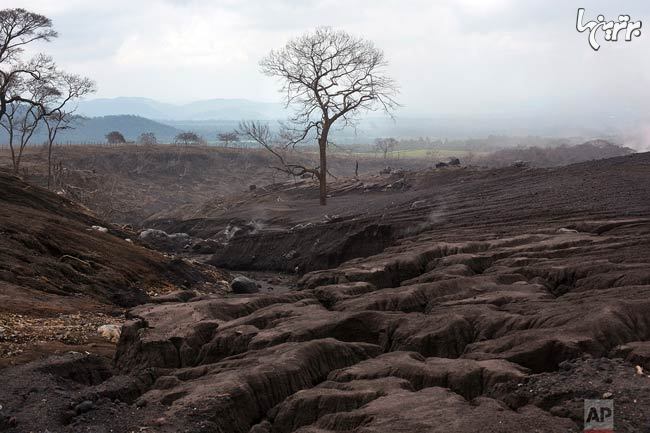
(148, 139)
(228, 137)
(31, 91)
(22, 116)
(329, 77)
(60, 111)
(188, 138)
(385, 145)
(279, 146)
(19, 28)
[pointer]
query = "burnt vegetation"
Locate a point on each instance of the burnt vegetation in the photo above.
(153, 286)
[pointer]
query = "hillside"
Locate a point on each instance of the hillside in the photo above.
(93, 130)
(132, 184)
(58, 260)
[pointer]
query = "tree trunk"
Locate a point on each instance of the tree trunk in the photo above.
(322, 144)
(49, 164)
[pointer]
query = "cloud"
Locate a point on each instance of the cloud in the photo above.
(450, 57)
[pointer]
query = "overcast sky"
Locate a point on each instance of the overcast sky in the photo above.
(450, 57)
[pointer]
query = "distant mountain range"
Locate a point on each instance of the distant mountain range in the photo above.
(212, 116)
(93, 130)
(211, 109)
(133, 116)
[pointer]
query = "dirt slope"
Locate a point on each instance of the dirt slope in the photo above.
(131, 184)
(284, 228)
(54, 265)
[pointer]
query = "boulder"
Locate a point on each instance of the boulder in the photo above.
(110, 332)
(160, 240)
(242, 284)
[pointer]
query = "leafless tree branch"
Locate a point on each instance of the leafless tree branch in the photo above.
(328, 76)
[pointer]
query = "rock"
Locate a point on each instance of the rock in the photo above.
(160, 240)
(252, 187)
(100, 229)
(442, 165)
(394, 408)
(463, 376)
(110, 332)
(84, 406)
(242, 284)
(454, 162)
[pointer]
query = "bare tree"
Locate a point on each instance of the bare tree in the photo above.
(278, 145)
(228, 137)
(32, 91)
(60, 113)
(329, 76)
(188, 138)
(386, 145)
(23, 115)
(115, 137)
(148, 139)
(19, 28)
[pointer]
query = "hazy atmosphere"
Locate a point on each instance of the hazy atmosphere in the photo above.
(324, 216)
(504, 62)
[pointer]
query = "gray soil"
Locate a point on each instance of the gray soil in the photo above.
(449, 300)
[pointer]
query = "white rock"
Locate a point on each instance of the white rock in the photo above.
(100, 229)
(110, 332)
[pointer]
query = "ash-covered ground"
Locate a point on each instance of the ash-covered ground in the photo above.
(436, 300)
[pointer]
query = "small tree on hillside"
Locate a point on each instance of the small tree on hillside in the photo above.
(148, 139)
(115, 137)
(330, 77)
(228, 137)
(385, 145)
(188, 138)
